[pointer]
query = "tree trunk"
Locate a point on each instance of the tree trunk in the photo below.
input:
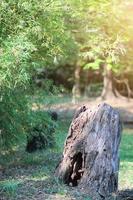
(91, 158)
(76, 88)
(108, 87)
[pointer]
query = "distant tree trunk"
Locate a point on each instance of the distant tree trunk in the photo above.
(108, 87)
(76, 87)
(91, 157)
(109, 90)
(126, 83)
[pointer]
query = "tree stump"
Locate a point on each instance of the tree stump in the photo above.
(91, 158)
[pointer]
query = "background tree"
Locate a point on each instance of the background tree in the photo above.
(99, 31)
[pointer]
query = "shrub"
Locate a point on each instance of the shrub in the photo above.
(40, 131)
(13, 117)
(14, 80)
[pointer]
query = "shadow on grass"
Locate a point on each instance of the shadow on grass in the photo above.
(125, 194)
(37, 183)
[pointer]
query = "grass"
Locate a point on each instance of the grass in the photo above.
(28, 176)
(9, 186)
(126, 164)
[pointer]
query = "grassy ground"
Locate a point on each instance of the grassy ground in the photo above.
(126, 164)
(27, 176)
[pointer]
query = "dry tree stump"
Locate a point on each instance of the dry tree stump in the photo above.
(91, 153)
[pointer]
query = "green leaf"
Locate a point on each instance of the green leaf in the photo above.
(94, 65)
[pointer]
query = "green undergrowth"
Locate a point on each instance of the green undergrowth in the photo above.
(25, 174)
(18, 156)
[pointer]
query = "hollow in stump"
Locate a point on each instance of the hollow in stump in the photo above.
(90, 159)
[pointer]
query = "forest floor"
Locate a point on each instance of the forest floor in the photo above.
(65, 108)
(124, 106)
(26, 176)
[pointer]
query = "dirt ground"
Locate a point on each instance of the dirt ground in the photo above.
(45, 187)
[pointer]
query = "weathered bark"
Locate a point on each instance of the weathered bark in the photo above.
(91, 158)
(76, 87)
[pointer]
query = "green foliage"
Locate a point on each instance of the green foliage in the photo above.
(13, 117)
(95, 65)
(14, 62)
(14, 78)
(42, 22)
(32, 34)
(98, 31)
(42, 128)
